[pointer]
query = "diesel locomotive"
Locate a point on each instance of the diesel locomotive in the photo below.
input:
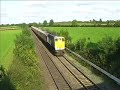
(57, 43)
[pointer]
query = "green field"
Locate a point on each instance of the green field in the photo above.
(94, 33)
(7, 38)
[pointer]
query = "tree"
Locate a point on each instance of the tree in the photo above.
(94, 22)
(51, 23)
(117, 23)
(44, 23)
(39, 24)
(74, 23)
(100, 21)
(33, 24)
(108, 23)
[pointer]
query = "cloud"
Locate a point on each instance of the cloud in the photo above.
(100, 7)
(38, 5)
(42, 4)
(84, 4)
(29, 11)
(117, 10)
(3, 15)
(3, 11)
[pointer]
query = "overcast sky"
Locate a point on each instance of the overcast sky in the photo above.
(37, 11)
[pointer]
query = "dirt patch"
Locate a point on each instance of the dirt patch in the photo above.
(5, 29)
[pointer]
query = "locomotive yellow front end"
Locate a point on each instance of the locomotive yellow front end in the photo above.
(59, 45)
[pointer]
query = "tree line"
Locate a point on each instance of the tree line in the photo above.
(74, 23)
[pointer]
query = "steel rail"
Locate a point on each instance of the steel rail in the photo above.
(43, 49)
(59, 71)
(44, 61)
(73, 74)
(96, 67)
(81, 72)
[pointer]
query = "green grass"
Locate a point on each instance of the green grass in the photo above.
(10, 27)
(6, 46)
(25, 71)
(94, 33)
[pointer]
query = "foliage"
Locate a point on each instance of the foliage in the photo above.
(25, 77)
(74, 23)
(80, 46)
(105, 53)
(108, 23)
(117, 23)
(24, 48)
(90, 23)
(33, 24)
(51, 23)
(44, 23)
(5, 82)
(24, 72)
(67, 37)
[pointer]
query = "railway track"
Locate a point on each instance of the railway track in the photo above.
(81, 77)
(65, 75)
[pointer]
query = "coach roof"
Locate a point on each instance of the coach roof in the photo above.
(44, 32)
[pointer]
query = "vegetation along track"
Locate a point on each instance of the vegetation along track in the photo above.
(66, 76)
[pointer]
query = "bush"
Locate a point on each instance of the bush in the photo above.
(5, 82)
(24, 72)
(67, 37)
(105, 53)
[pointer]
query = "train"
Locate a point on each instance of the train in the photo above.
(56, 43)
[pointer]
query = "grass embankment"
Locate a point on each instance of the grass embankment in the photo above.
(25, 71)
(6, 46)
(94, 34)
(7, 38)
